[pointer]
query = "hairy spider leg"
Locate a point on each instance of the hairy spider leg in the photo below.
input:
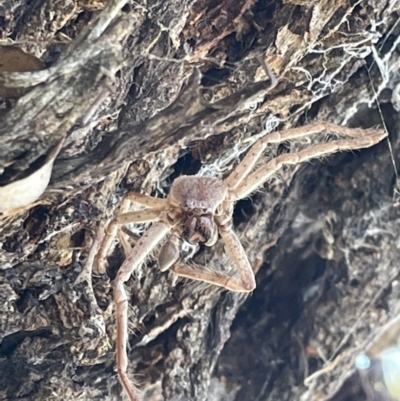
(149, 240)
(242, 281)
(146, 200)
(244, 168)
(263, 173)
(111, 230)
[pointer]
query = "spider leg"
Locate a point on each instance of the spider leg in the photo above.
(242, 281)
(146, 200)
(246, 165)
(144, 246)
(221, 280)
(249, 161)
(124, 242)
(111, 231)
(140, 216)
(235, 251)
(359, 139)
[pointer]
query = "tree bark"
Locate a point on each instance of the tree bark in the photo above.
(141, 93)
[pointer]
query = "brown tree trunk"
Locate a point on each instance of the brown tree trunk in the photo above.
(141, 93)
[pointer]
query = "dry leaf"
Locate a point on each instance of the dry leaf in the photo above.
(13, 59)
(23, 192)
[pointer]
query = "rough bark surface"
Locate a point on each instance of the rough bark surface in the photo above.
(142, 92)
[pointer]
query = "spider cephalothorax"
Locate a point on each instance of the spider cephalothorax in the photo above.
(203, 195)
(199, 201)
(194, 205)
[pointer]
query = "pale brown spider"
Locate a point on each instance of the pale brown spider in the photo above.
(198, 209)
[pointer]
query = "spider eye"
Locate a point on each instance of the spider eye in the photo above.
(202, 205)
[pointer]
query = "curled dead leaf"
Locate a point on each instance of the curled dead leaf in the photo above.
(14, 59)
(22, 193)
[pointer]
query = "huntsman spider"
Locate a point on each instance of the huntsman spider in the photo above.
(199, 210)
